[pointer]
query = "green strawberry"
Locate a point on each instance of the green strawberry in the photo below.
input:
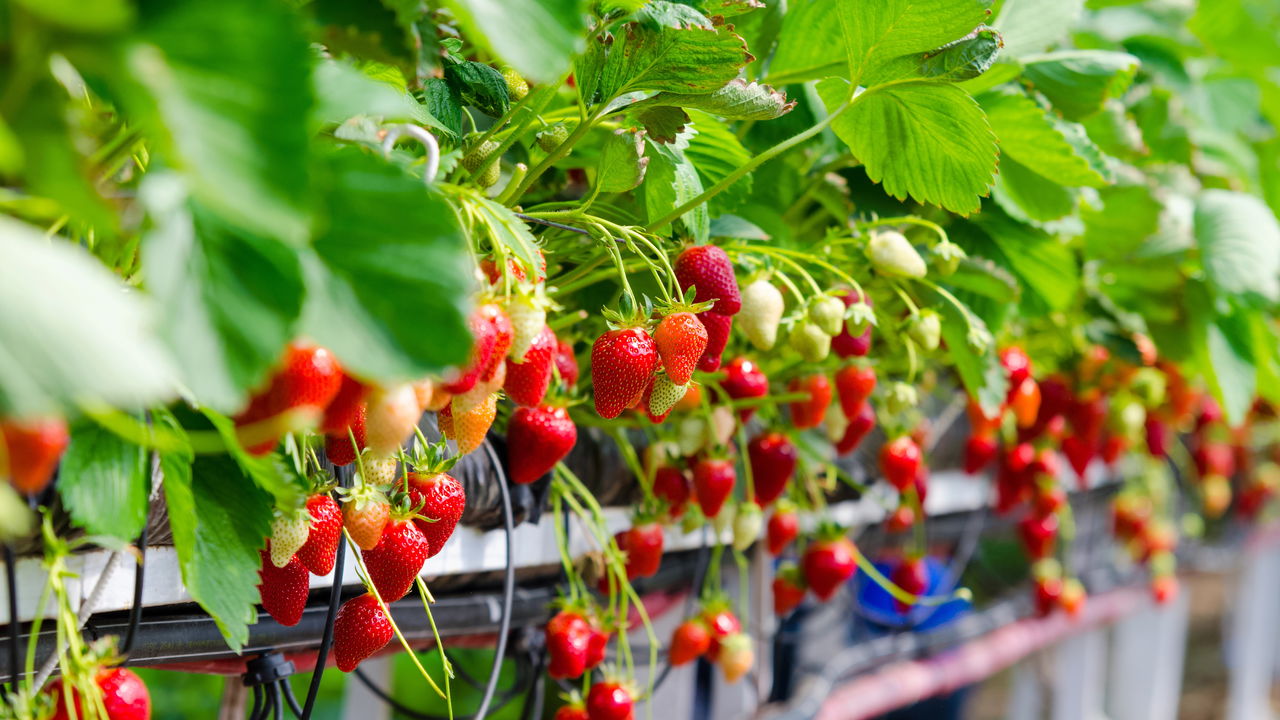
(811, 341)
(901, 397)
(948, 256)
(665, 395)
(479, 158)
(892, 254)
(747, 524)
(552, 137)
(925, 327)
(289, 533)
(517, 87)
(761, 311)
(827, 313)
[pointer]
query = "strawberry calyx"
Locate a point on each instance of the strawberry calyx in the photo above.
(363, 495)
(829, 531)
(430, 459)
(628, 315)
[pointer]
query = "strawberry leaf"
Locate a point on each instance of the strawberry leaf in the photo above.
(1239, 242)
(672, 181)
(1079, 82)
(691, 58)
(738, 99)
(540, 44)
(1058, 150)
(104, 482)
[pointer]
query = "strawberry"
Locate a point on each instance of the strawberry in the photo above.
(485, 169)
(978, 453)
(1016, 365)
(381, 472)
(1157, 436)
(643, 547)
(747, 522)
(853, 340)
(576, 711)
(911, 575)
(854, 383)
(900, 520)
(736, 657)
(597, 643)
(308, 380)
(811, 342)
(661, 396)
(762, 308)
(892, 254)
(346, 408)
(397, 559)
(672, 486)
(718, 327)
(566, 363)
(900, 461)
(361, 629)
(744, 379)
(391, 416)
(1048, 594)
(610, 701)
(124, 697)
(681, 340)
(283, 589)
(1214, 458)
(364, 515)
(1080, 452)
(1038, 533)
(708, 269)
(338, 447)
(827, 313)
(859, 426)
(828, 564)
(321, 549)
(567, 636)
(484, 336)
(622, 361)
(442, 499)
(515, 269)
(537, 439)
(1024, 401)
(528, 318)
(782, 529)
(1113, 446)
(773, 461)
(722, 623)
(808, 413)
(925, 328)
(289, 531)
(713, 480)
(517, 86)
(690, 641)
(1073, 597)
(528, 380)
(31, 451)
(1164, 588)
(788, 589)
(469, 429)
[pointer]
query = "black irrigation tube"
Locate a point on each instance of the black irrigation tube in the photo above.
(135, 611)
(326, 639)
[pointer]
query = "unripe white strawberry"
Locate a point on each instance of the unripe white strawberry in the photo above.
(390, 419)
(289, 532)
(762, 307)
(527, 318)
(723, 521)
(665, 394)
(892, 254)
(926, 329)
(379, 471)
(811, 341)
(835, 424)
(827, 313)
(747, 524)
(480, 392)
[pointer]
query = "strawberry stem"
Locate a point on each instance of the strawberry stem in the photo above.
(445, 665)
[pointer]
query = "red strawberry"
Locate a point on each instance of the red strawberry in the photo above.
(978, 453)
(320, 551)
(567, 636)
(900, 520)
(1113, 446)
(1024, 401)
(857, 429)
(566, 363)
(1157, 434)
(484, 336)
(810, 412)
(1164, 588)
(773, 461)
(744, 379)
(788, 590)
(782, 529)
(690, 641)
(283, 590)
(854, 383)
(643, 546)
(309, 378)
(722, 623)
(338, 447)
(347, 405)
(672, 485)
(361, 629)
(912, 575)
(1038, 533)
(622, 361)
(1048, 593)
(681, 339)
(713, 480)
(1087, 415)
(597, 643)
(1016, 364)
(571, 712)
(828, 564)
(718, 327)
(397, 559)
(32, 450)
(537, 439)
(1080, 452)
(900, 461)
(845, 344)
(124, 696)
(709, 270)
(442, 499)
(527, 381)
(610, 701)
(1214, 458)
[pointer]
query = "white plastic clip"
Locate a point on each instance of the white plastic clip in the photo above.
(428, 141)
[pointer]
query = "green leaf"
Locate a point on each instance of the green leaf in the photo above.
(70, 332)
(673, 181)
(225, 88)
(728, 8)
(269, 472)
(10, 150)
(1078, 82)
(1125, 217)
(738, 99)
(537, 37)
(343, 91)
(229, 299)
(1223, 347)
(104, 482)
(929, 141)
(445, 104)
(82, 16)
(1239, 243)
(663, 123)
(716, 152)
(1033, 26)
(980, 372)
(1044, 266)
(1058, 150)
(622, 162)
(479, 85)
(1028, 196)
(389, 282)
(690, 59)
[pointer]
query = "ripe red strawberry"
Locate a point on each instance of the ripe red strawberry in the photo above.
(484, 336)
(713, 480)
(744, 379)
(912, 575)
(622, 361)
(576, 711)
(361, 629)
(308, 380)
(773, 462)
(672, 485)
(978, 452)
(283, 590)
(537, 439)
(857, 429)
(845, 344)
(320, 551)
(528, 380)
(900, 520)
(364, 515)
(347, 405)
(854, 383)
(718, 327)
(441, 498)
(469, 429)
(722, 623)
(1080, 452)
(681, 340)
(397, 559)
(1038, 533)
(597, 643)
(1016, 364)
(782, 529)
(810, 412)
(643, 546)
(338, 447)
(900, 461)
(788, 589)
(1087, 415)
(709, 270)
(610, 701)
(690, 641)
(124, 696)
(828, 564)
(567, 637)
(1024, 401)
(1157, 435)
(1048, 593)
(32, 450)
(566, 363)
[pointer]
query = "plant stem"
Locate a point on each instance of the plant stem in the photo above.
(552, 158)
